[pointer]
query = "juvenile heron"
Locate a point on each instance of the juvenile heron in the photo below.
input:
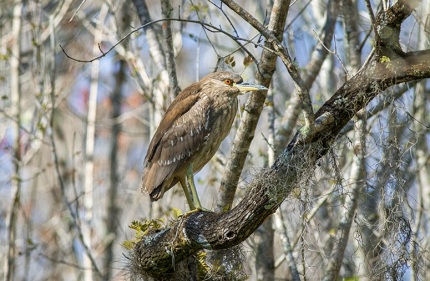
(190, 133)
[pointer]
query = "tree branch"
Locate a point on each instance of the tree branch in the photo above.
(251, 115)
(166, 10)
(388, 27)
(15, 92)
(157, 253)
(275, 44)
(206, 230)
(312, 69)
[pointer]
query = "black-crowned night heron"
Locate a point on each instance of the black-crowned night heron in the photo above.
(190, 133)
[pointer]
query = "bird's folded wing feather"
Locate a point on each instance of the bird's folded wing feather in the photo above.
(182, 132)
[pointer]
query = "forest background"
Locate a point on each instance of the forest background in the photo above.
(83, 88)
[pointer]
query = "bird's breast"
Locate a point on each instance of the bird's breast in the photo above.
(219, 117)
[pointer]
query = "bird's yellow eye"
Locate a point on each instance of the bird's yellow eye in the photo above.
(228, 82)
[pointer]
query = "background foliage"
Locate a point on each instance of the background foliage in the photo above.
(73, 136)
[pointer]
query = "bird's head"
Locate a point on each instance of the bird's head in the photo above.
(229, 83)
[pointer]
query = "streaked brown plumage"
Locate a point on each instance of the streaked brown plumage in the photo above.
(191, 131)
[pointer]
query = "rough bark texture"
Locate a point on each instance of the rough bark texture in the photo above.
(251, 114)
(158, 252)
(311, 71)
(166, 10)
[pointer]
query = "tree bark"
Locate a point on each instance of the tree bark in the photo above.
(160, 249)
(166, 10)
(251, 114)
(15, 93)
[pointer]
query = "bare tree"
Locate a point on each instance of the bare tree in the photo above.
(337, 149)
(386, 66)
(15, 95)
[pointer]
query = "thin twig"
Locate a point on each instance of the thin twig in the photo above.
(207, 26)
(372, 19)
(77, 10)
(15, 92)
(226, 16)
(309, 216)
(58, 172)
(332, 52)
(286, 245)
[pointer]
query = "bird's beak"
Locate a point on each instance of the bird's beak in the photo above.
(248, 87)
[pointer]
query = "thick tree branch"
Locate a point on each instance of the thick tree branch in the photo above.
(206, 230)
(158, 252)
(312, 69)
(364, 86)
(282, 52)
(251, 114)
(388, 27)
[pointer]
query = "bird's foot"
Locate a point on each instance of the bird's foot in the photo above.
(196, 210)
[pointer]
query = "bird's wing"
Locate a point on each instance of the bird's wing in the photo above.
(182, 132)
(180, 106)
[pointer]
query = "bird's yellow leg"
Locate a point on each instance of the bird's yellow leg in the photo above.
(187, 193)
(190, 180)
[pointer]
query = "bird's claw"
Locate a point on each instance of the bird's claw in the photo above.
(197, 209)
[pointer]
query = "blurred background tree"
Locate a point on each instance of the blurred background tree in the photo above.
(74, 130)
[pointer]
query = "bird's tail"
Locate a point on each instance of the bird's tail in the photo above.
(147, 186)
